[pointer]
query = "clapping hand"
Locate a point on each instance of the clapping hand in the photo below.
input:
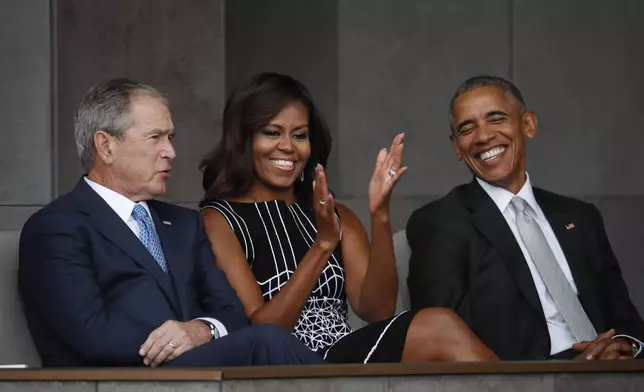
(386, 174)
(328, 226)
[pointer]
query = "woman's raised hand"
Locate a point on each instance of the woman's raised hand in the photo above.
(386, 174)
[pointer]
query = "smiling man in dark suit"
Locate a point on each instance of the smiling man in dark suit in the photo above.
(531, 272)
(111, 277)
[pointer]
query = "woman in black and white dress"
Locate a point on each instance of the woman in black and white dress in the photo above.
(295, 257)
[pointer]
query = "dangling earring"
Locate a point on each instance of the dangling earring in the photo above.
(302, 176)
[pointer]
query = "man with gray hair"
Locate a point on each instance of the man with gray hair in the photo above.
(111, 277)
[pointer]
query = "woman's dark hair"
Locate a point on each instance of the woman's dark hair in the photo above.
(228, 170)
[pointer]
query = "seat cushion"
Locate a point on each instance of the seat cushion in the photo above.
(16, 346)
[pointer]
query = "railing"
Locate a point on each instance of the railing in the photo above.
(627, 375)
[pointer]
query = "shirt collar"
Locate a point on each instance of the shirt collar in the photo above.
(119, 203)
(502, 197)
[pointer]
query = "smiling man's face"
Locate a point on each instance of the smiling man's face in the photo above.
(489, 132)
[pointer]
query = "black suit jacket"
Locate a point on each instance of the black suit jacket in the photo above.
(92, 293)
(465, 257)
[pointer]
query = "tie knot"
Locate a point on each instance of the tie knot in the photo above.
(518, 204)
(140, 213)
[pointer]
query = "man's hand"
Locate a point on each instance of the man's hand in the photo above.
(172, 339)
(603, 347)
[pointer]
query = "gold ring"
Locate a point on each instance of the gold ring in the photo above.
(324, 202)
(172, 345)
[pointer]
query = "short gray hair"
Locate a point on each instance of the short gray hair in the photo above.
(106, 107)
(485, 81)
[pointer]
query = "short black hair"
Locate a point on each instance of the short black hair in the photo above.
(484, 81)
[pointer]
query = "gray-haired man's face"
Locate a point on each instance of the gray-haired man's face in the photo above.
(143, 159)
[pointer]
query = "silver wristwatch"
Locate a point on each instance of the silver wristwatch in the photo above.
(214, 332)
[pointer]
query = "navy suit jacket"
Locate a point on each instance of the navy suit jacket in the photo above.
(91, 291)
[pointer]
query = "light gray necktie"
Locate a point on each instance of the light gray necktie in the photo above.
(553, 277)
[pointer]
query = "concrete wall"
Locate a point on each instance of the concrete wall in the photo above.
(25, 77)
(176, 46)
(53, 52)
(549, 382)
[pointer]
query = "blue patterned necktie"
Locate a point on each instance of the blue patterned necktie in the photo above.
(148, 235)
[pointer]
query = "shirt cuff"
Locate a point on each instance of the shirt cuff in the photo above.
(637, 342)
(220, 327)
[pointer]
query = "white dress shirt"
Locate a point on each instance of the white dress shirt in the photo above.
(123, 208)
(561, 337)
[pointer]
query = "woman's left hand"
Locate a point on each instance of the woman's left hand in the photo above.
(386, 174)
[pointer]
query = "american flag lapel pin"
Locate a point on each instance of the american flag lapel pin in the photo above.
(167, 223)
(570, 226)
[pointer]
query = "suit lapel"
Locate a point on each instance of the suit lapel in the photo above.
(112, 227)
(489, 221)
(572, 243)
(173, 255)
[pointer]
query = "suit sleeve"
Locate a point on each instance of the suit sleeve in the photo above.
(217, 298)
(620, 312)
(57, 283)
(438, 266)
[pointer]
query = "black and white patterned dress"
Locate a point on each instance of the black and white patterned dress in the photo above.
(274, 237)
